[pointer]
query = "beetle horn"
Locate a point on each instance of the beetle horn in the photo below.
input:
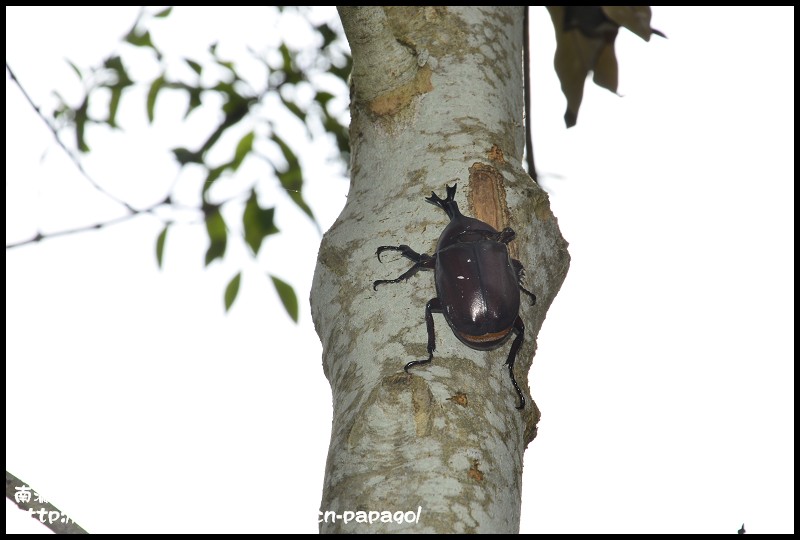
(449, 204)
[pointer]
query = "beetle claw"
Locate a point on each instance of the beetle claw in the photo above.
(380, 250)
(418, 362)
(516, 387)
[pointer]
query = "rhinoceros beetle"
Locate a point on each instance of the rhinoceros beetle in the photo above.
(477, 282)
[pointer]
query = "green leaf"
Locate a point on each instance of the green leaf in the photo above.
(113, 105)
(185, 156)
(194, 65)
(244, 147)
(342, 72)
(293, 108)
(194, 100)
(232, 290)
(301, 203)
(236, 111)
(160, 246)
(328, 35)
(75, 69)
(155, 88)
(217, 234)
(292, 178)
(288, 154)
(164, 13)
(287, 57)
(229, 66)
(323, 98)
(258, 223)
(81, 117)
(213, 175)
(139, 39)
(226, 88)
(236, 106)
(293, 76)
(341, 133)
(114, 63)
(287, 296)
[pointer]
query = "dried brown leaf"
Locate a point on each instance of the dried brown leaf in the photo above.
(585, 38)
(576, 55)
(606, 74)
(634, 18)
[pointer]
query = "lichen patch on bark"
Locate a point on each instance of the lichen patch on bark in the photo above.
(459, 399)
(397, 99)
(496, 154)
(474, 472)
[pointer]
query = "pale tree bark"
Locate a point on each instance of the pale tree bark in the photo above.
(437, 96)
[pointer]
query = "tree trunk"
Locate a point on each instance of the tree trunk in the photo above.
(437, 97)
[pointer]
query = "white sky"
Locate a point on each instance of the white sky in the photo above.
(664, 370)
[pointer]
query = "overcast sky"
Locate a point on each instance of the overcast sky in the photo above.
(664, 370)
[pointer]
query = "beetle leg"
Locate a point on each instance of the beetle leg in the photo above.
(519, 328)
(434, 305)
(420, 261)
(529, 293)
(506, 235)
(520, 273)
(404, 250)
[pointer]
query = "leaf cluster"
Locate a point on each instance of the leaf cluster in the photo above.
(211, 78)
(585, 37)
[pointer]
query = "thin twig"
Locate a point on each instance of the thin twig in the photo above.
(69, 152)
(41, 236)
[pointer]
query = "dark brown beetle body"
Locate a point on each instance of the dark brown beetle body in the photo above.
(477, 283)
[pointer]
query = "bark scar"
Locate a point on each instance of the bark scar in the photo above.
(487, 196)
